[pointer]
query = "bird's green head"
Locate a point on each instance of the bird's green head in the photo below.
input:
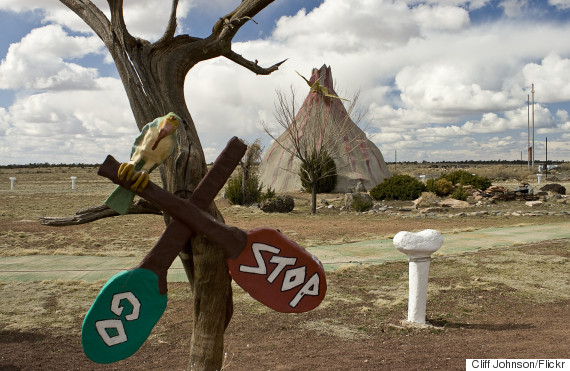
(173, 118)
(167, 126)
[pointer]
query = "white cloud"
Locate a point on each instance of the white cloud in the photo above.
(440, 134)
(446, 88)
(78, 125)
(38, 61)
(451, 18)
(513, 8)
(148, 18)
(467, 4)
(25, 6)
(550, 78)
(222, 106)
(562, 4)
(100, 112)
(357, 24)
(3, 121)
(144, 18)
(426, 74)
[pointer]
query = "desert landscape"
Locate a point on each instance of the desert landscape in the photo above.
(503, 300)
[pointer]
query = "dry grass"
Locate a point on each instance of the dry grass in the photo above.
(539, 274)
(530, 271)
(497, 173)
(535, 273)
(55, 305)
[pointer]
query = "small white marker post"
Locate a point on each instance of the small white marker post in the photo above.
(73, 179)
(12, 180)
(419, 247)
(539, 177)
(423, 178)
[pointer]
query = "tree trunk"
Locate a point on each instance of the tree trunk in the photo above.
(313, 195)
(203, 261)
(153, 75)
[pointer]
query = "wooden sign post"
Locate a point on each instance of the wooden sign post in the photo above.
(295, 281)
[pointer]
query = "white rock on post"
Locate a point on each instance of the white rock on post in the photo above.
(419, 247)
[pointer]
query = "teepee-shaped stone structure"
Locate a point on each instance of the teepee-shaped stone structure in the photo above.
(324, 121)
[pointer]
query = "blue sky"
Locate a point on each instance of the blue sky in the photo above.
(440, 80)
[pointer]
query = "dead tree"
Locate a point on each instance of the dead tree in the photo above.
(153, 75)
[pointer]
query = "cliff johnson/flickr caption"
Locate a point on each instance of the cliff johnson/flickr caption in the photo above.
(517, 364)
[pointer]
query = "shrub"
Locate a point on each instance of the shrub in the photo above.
(441, 186)
(235, 190)
(270, 193)
(325, 184)
(253, 193)
(465, 178)
(361, 203)
(279, 204)
(460, 194)
(398, 187)
(430, 185)
(249, 193)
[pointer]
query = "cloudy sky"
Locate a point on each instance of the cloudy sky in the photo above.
(440, 79)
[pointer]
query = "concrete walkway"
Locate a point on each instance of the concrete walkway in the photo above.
(377, 251)
(93, 268)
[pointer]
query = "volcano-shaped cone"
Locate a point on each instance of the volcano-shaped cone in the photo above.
(323, 120)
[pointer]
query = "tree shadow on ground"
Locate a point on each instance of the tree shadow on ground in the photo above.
(8, 336)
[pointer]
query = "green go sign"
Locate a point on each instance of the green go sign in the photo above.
(122, 316)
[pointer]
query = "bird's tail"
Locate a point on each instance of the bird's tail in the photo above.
(120, 200)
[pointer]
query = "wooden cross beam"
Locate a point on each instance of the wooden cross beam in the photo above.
(270, 267)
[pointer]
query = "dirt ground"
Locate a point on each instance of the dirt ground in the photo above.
(500, 303)
(358, 326)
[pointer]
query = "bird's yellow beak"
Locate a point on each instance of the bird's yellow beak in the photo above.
(167, 127)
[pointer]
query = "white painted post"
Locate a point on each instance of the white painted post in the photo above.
(12, 180)
(73, 178)
(423, 178)
(419, 247)
(539, 177)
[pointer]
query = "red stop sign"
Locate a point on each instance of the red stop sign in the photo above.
(279, 273)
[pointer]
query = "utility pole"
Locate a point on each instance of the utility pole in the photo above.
(533, 152)
(546, 162)
(528, 129)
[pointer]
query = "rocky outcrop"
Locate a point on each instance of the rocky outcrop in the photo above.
(453, 203)
(533, 204)
(554, 188)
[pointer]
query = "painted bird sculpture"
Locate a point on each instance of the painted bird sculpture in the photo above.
(317, 87)
(154, 144)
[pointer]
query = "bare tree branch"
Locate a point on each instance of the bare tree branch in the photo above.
(252, 66)
(118, 23)
(91, 214)
(171, 27)
(92, 16)
(227, 27)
